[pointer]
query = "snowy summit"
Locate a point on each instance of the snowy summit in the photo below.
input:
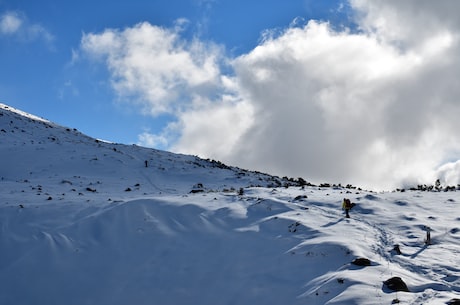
(85, 221)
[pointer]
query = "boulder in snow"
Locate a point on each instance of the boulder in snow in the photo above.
(396, 284)
(361, 261)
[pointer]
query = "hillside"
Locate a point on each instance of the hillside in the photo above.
(84, 221)
(38, 149)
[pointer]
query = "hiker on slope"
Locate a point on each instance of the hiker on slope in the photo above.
(347, 205)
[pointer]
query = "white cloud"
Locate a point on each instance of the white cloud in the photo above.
(351, 107)
(449, 173)
(214, 128)
(37, 32)
(16, 24)
(148, 139)
(10, 22)
(377, 108)
(407, 23)
(153, 67)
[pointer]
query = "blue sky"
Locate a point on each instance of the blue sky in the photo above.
(344, 91)
(37, 75)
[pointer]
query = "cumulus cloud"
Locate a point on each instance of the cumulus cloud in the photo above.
(377, 107)
(215, 130)
(449, 173)
(407, 23)
(153, 67)
(16, 24)
(350, 106)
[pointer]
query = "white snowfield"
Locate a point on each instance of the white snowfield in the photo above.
(89, 222)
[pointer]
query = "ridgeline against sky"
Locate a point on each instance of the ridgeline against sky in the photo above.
(361, 92)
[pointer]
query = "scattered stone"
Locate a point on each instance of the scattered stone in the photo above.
(300, 197)
(293, 227)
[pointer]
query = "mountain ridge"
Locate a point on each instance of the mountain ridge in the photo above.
(27, 139)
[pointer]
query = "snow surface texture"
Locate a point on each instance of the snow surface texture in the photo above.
(84, 221)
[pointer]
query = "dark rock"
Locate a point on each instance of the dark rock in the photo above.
(396, 249)
(196, 191)
(396, 284)
(454, 302)
(361, 262)
(300, 197)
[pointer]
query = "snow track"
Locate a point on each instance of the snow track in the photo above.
(376, 235)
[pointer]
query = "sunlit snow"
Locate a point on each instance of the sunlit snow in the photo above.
(84, 221)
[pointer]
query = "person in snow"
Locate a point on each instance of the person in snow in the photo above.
(428, 235)
(347, 205)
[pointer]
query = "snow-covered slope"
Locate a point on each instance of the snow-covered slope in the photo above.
(35, 149)
(87, 222)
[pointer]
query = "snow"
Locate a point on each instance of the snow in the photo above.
(84, 221)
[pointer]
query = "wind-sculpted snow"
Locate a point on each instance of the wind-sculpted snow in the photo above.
(89, 222)
(146, 251)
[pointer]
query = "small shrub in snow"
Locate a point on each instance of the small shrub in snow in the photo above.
(197, 188)
(301, 181)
